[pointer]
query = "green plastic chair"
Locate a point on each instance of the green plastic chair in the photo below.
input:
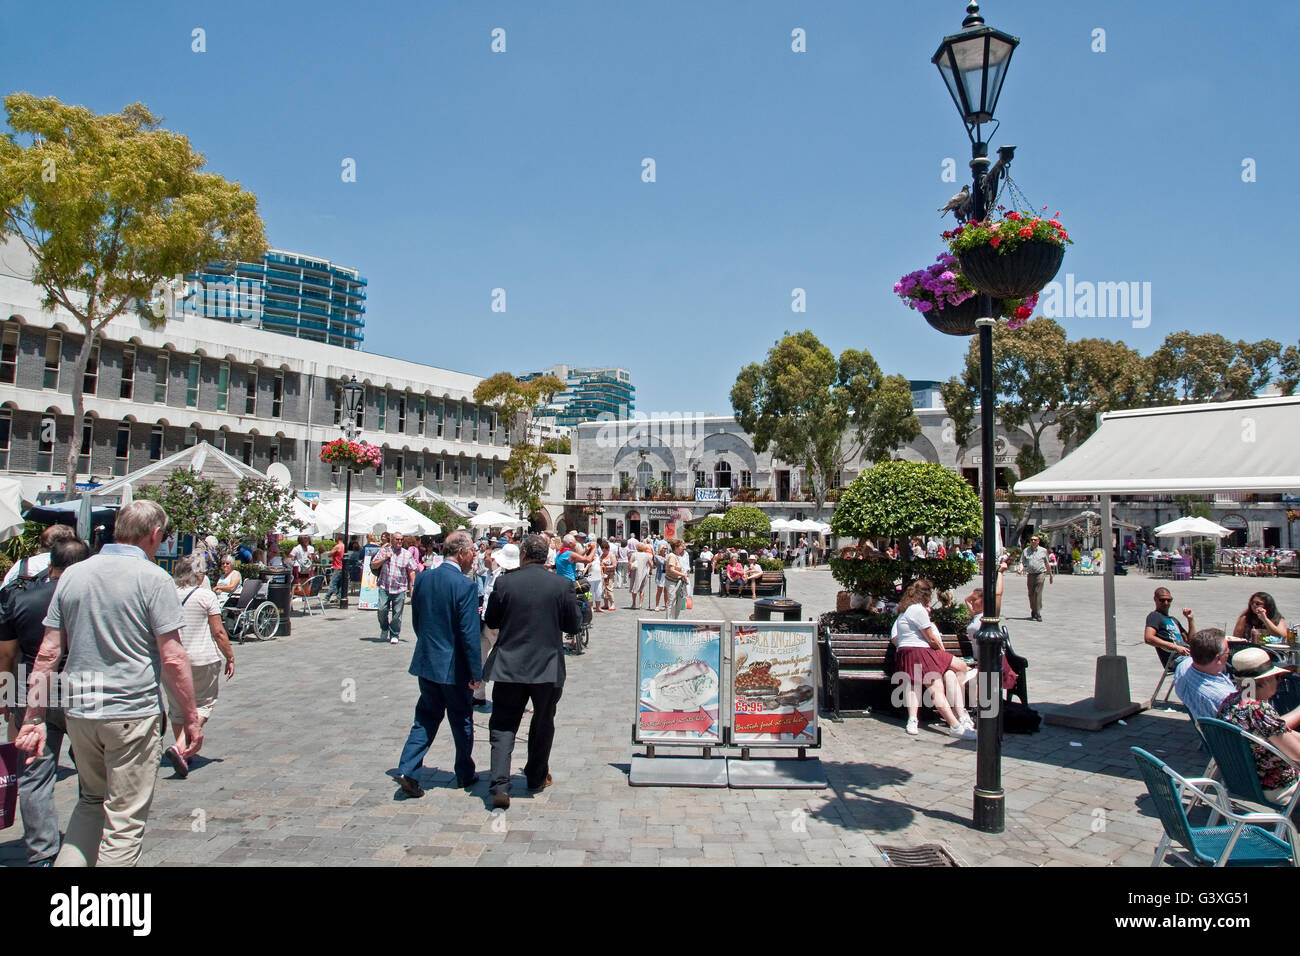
(1229, 745)
(1241, 841)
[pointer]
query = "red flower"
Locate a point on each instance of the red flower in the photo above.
(1024, 312)
(1026, 231)
(995, 240)
(1013, 215)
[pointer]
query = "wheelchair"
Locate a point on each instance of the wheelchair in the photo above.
(250, 614)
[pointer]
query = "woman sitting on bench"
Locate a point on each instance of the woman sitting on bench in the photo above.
(734, 577)
(922, 663)
(753, 574)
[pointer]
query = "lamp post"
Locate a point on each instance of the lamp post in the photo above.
(973, 64)
(595, 506)
(352, 395)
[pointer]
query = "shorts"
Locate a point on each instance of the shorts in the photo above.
(207, 683)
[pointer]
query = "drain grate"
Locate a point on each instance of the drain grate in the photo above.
(927, 854)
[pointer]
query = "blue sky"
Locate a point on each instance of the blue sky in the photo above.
(775, 170)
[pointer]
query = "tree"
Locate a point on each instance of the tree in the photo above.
(1209, 368)
(260, 506)
(194, 505)
(518, 403)
(1100, 376)
(109, 207)
(440, 512)
(802, 402)
(896, 500)
(1289, 370)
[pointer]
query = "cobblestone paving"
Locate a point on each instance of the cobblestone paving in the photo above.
(297, 762)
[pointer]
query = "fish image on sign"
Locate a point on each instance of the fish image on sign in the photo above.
(679, 667)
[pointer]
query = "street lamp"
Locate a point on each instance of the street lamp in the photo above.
(353, 392)
(973, 64)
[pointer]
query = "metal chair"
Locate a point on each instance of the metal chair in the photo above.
(1169, 663)
(311, 588)
(1242, 841)
(1229, 745)
(251, 613)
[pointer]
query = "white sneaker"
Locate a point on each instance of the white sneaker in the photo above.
(393, 640)
(912, 728)
(968, 721)
(962, 732)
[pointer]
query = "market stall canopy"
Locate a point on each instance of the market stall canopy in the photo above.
(782, 524)
(11, 508)
(206, 461)
(396, 515)
(329, 517)
(494, 519)
(68, 512)
(1191, 528)
(1230, 446)
(304, 520)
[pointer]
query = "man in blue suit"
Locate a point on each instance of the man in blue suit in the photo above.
(444, 613)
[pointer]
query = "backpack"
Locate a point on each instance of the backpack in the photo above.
(1018, 718)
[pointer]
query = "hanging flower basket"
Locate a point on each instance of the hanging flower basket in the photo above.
(1012, 258)
(351, 454)
(960, 319)
(949, 302)
(1018, 272)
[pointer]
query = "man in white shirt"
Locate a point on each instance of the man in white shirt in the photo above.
(38, 563)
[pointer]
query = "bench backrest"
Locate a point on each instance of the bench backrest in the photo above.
(871, 650)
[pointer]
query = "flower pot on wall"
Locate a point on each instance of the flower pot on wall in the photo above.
(1012, 274)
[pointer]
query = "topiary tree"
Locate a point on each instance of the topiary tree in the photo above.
(896, 500)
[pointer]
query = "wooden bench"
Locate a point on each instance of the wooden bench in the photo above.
(867, 657)
(870, 657)
(772, 582)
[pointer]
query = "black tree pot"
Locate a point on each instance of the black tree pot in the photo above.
(1014, 274)
(959, 319)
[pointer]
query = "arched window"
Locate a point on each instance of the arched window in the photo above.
(722, 475)
(644, 471)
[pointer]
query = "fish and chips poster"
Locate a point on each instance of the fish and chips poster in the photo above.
(679, 667)
(774, 684)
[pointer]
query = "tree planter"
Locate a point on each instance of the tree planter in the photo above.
(960, 319)
(1014, 274)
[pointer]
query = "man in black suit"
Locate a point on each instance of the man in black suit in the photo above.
(532, 609)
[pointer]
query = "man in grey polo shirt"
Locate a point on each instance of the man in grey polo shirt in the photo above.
(119, 618)
(1033, 561)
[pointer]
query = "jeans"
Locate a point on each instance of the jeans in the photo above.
(390, 613)
(436, 700)
(336, 585)
(36, 797)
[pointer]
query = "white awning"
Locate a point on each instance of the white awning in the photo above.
(1230, 446)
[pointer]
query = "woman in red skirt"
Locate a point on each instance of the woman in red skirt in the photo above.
(921, 662)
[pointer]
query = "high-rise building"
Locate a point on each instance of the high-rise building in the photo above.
(286, 292)
(590, 393)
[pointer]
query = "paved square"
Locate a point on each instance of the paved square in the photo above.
(296, 764)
